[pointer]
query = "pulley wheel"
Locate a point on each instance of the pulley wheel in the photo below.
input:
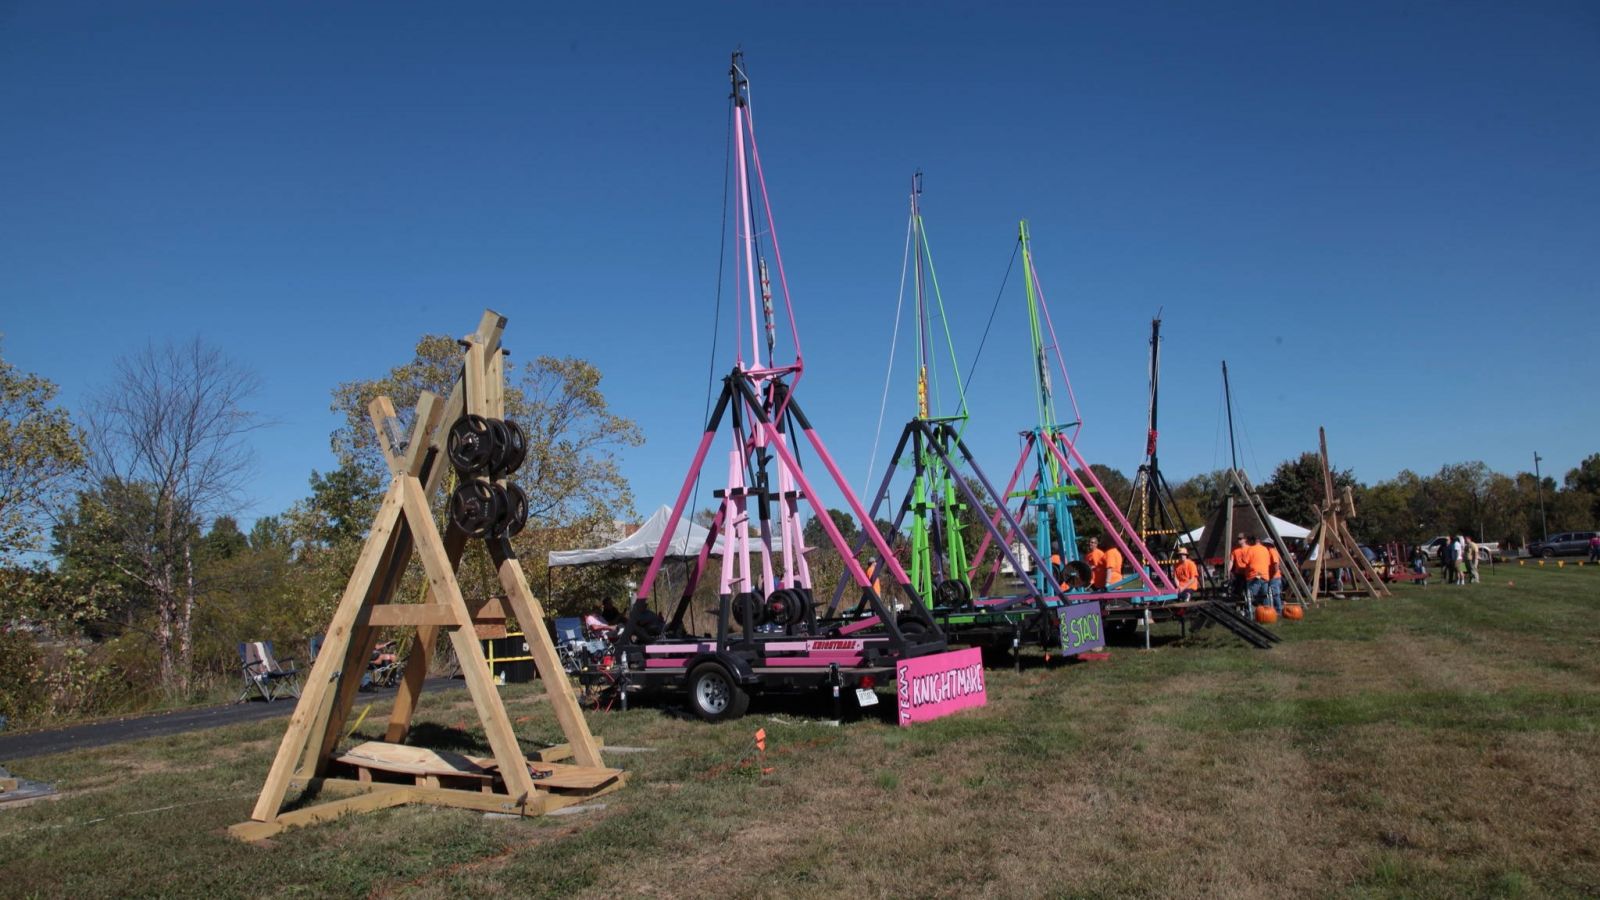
(514, 451)
(475, 507)
(471, 444)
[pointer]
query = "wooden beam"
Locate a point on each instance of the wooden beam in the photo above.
(474, 667)
(388, 795)
(338, 636)
(411, 614)
(531, 616)
(488, 609)
(429, 413)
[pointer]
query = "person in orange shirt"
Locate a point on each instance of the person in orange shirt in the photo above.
(1096, 558)
(1258, 566)
(1113, 566)
(1239, 569)
(1186, 574)
(1274, 576)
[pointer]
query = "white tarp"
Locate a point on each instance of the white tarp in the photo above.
(1286, 530)
(687, 539)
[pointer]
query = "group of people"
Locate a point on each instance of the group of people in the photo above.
(1458, 560)
(1258, 571)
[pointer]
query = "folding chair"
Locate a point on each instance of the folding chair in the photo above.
(569, 638)
(265, 674)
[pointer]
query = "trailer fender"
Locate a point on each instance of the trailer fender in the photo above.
(736, 666)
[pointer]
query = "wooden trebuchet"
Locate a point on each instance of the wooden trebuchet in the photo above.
(387, 773)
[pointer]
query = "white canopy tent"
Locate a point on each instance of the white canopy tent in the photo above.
(1286, 529)
(685, 543)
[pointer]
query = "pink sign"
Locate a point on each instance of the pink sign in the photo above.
(938, 685)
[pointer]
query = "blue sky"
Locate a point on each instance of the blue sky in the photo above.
(1382, 215)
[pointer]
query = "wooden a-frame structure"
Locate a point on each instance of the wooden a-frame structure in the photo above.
(388, 773)
(1241, 509)
(1334, 546)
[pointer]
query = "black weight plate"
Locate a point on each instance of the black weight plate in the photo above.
(516, 448)
(516, 509)
(470, 444)
(475, 508)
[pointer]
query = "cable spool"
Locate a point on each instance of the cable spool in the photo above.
(476, 507)
(471, 444)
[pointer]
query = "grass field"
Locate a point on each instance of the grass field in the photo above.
(1444, 743)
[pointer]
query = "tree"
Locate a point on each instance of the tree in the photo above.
(815, 536)
(340, 507)
(39, 449)
(1585, 481)
(1296, 488)
(172, 427)
(571, 474)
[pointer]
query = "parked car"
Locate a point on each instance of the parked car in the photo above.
(1486, 549)
(1567, 543)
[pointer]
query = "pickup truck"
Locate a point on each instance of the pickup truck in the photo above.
(1486, 549)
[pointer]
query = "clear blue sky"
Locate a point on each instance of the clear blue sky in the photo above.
(1383, 215)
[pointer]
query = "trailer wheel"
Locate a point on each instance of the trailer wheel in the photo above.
(714, 696)
(912, 627)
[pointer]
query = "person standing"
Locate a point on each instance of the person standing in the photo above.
(1113, 566)
(1419, 564)
(1258, 566)
(1240, 565)
(1096, 558)
(1594, 547)
(1472, 560)
(1274, 575)
(1186, 575)
(1447, 562)
(1459, 548)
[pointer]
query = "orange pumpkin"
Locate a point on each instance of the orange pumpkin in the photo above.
(1294, 611)
(1266, 615)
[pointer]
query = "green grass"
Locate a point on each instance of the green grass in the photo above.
(1438, 744)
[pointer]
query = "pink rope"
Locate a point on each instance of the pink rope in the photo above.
(1055, 342)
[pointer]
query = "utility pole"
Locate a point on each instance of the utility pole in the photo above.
(1538, 482)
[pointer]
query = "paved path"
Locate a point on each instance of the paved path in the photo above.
(177, 721)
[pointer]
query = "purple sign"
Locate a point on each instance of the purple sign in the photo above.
(938, 685)
(1081, 628)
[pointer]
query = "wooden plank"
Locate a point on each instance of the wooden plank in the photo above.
(430, 412)
(297, 735)
(575, 777)
(558, 752)
(490, 610)
(411, 614)
(476, 377)
(531, 615)
(496, 386)
(536, 803)
(386, 796)
(441, 576)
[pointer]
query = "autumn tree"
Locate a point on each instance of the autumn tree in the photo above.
(169, 434)
(39, 449)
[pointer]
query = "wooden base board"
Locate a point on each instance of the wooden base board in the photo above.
(365, 796)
